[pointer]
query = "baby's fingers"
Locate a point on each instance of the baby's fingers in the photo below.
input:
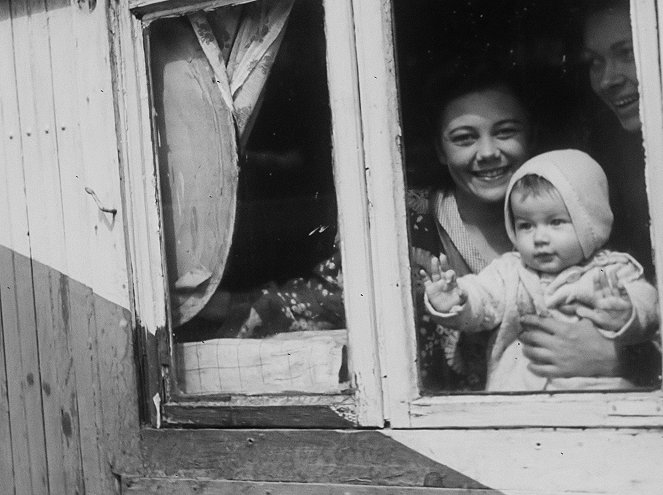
(424, 276)
(601, 284)
(437, 272)
(444, 262)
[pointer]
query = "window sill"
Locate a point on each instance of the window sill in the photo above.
(580, 410)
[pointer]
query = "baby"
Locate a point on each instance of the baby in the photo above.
(558, 217)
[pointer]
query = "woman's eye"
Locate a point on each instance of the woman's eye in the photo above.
(463, 139)
(626, 54)
(507, 132)
(593, 62)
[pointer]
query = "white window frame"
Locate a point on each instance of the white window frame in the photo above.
(141, 185)
(372, 217)
(382, 135)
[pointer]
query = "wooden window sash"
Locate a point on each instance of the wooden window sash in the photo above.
(161, 402)
(405, 407)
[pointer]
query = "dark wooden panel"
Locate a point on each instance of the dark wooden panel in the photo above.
(58, 382)
(147, 486)
(258, 416)
(302, 456)
(6, 461)
(86, 365)
(23, 379)
(118, 386)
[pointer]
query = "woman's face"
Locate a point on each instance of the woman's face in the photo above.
(612, 74)
(485, 137)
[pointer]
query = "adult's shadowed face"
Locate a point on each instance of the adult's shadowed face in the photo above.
(609, 51)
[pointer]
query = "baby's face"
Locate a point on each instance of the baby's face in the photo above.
(545, 236)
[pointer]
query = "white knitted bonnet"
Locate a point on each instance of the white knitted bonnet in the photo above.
(583, 186)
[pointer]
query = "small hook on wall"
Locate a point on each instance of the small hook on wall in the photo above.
(90, 191)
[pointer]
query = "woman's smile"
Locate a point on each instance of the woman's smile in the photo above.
(625, 101)
(494, 174)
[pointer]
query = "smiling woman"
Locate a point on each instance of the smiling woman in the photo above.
(609, 51)
(516, 87)
(482, 135)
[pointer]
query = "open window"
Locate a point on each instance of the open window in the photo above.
(247, 187)
(540, 44)
(257, 175)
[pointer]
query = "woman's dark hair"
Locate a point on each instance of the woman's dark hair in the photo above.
(461, 77)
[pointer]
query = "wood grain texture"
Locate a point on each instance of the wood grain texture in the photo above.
(6, 458)
(311, 456)
(23, 379)
(145, 486)
(58, 382)
(267, 416)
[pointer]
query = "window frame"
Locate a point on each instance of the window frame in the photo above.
(367, 142)
(407, 407)
(161, 404)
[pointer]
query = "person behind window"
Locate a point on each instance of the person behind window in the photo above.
(484, 132)
(558, 217)
(616, 143)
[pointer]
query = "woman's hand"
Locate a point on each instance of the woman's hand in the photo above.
(558, 349)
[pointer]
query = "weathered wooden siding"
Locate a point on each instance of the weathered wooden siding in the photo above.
(67, 380)
(68, 413)
(68, 394)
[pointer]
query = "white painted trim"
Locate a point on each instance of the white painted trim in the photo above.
(141, 190)
(352, 210)
(648, 48)
(386, 196)
(139, 171)
(381, 135)
(584, 409)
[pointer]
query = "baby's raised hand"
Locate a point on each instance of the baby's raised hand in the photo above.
(441, 287)
(612, 307)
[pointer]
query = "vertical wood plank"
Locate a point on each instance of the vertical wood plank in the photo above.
(8, 151)
(45, 213)
(79, 214)
(6, 461)
(24, 382)
(107, 262)
(119, 393)
(25, 405)
(60, 396)
(41, 167)
(85, 353)
(53, 69)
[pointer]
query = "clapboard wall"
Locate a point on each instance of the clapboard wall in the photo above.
(68, 387)
(67, 378)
